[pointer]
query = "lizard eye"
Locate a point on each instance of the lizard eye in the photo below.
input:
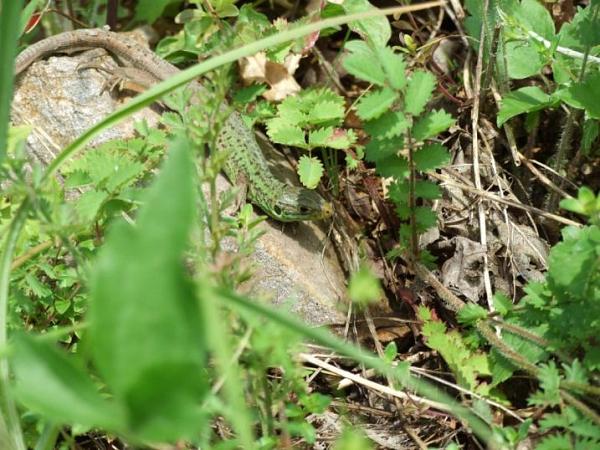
(277, 211)
(304, 210)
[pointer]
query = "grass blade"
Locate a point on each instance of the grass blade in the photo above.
(9, 34)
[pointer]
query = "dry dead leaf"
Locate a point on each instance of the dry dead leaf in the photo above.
(279, 77)
(463, 272)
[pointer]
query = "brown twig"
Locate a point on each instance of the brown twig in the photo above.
(446, 180)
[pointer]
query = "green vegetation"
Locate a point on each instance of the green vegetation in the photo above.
(120, 317)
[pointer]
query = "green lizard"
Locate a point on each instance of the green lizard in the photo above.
(246, 164)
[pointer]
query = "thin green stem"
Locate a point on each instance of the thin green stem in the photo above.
(412, 205)
(8, 405)
(47, 440)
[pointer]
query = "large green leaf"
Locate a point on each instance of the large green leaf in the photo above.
(524, 100)
(148, 11)
(49, 383)
(145, 327)
(523, 59)
(474, 21)
(575, 279)
(376, 30)
(535, 17)
(581, 31)
(584, 95)
(363, 63)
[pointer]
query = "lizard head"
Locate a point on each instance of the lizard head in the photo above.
(296, 204)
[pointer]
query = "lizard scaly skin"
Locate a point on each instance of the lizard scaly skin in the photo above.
(246, 164)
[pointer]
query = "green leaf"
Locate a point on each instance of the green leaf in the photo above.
(282, 132)
(426, 218)
(390, 352)
(320, 137)
(555, 442)
(418, 92)
(572, 204)
(324, 112)
(427, 190)
(524, 100)
(38, 289)
(394, 67)
(10, 29)
(107, 168)
(502, 304)
(147, 11)
(88, 205)
(525, 56)
(311, 98)
(353, 439)
(353, 160)
(464, 363)
(375, 30)
(581, 31)
(471, 314)
(153, 356)
(585, 95)
(315, 403)
(225, 8)
(586, 202)
(432, 124)
(535, 17)
(341, 139)
(332, 138)
(310, 170)
(61, 305)
(549, 383)
(364, 287)
(49, 383)
(291, 112)
(389, 125)
(375, 103)
(576, 277)
(576, 373)
(363, 63)
(249, 94)
(430, 157)
(378, 149)
(398, 193)
(123, 174)
(523, 60)
(393, 166)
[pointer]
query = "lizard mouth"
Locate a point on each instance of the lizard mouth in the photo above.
(326, 210)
